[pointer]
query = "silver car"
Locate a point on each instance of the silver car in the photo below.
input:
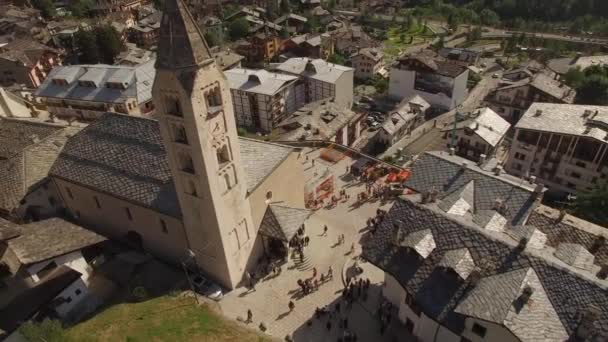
(207, 288)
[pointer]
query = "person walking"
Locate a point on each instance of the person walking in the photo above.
(291, 306)
(249, 316)
(325, 230)
(330, 273)
(314, 272)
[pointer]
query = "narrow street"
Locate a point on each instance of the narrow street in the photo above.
(428, 137)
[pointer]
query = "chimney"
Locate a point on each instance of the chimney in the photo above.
(576, 58)
(464, 165)
(433, 196)
(476, 126)
(538, 112)
(452, 151)
(497, 170)
(603, 272)
(539, 188)
(424, 197)
(587, 113)
(526, 294)
(482, 159)
(599, 242)
(562, 215)
(532, 179)
(586, 325)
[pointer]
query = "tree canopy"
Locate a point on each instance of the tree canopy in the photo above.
(238, 29)
(593, 205)
(46, 7)
(100, 45)
(591, 84)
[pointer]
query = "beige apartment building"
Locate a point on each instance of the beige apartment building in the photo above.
(562, 145)
(479, 136)
(261, 99)
(85, 92)
(367, 63)
(185, 188)
(322, 80)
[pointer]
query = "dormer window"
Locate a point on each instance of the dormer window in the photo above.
(87, 84)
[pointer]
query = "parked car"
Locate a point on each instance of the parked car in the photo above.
(206, 287)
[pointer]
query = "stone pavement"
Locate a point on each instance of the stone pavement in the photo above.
(269, 301)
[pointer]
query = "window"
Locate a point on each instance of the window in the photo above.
(191, 188)
(97, 204)
(179, 134)
(409, 300)
(128, 212)
(520, 156)
(186, 163)
(269, 195)
(68, 300)
(464, 339)
(575, 175)
(223, 155)
(46, 270)
(580, 164)
(163, 226)
(69, 192)
(517, 166)
(173, 107)
(78, 292)
(479, 330)
(52, 201)
(77, 214)
(214, 100)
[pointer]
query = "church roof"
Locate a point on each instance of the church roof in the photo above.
(124, 156)
(282, 222)
(181, 43)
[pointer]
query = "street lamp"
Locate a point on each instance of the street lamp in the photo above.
(191, 256)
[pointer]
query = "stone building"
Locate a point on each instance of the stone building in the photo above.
(562, 145)
(27, 151)
(512, 100)
(479, 136)
(464, 260)
(85, 92)
(402, 120)
(26, 62)
(367, 63)
(185, 188)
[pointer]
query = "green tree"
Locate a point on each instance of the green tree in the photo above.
(331, 4)
(46, 7)
(109, 43)
(86, 45)
(284, 32)
(574, 77)
(212, 39)
(380, 83)
(47, 330)
(593, 90)
(489, 17)
(81, 8)
(285, 7)
(238, 29)
(593, 205)
(453, 22)
(337, 58)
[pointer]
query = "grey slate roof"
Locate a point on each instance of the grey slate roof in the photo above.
(575, 255)
(446, 298)
(281, 222)
(50, 238)
(258, 81)
(30, 143)
(8, 230)
(570, 230)
(313, 68)
(138, 78)
(442, 172)
(180, 42)
(125, 157)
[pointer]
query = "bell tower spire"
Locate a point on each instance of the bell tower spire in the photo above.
(194, 109)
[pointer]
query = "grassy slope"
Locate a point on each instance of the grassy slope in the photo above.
(160, 319)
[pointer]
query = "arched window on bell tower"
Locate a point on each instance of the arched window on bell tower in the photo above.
(213, 99)
(223, 155)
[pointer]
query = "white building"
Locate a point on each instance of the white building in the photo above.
(441, 83)
(322, 80)
(367, 63)
(86, 92)
(45, 263)
(261, 99)
(407, 116)
(562, 145)
(479, 136)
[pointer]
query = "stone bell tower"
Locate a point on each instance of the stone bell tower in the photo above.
(194, 108)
